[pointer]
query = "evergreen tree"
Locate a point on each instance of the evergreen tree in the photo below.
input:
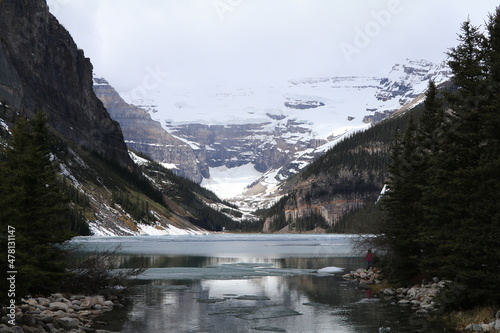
(467, 63)
(450, 197)
(430, 136)
(462, 200)
(431, 120)
(491, 119)
(400, 228)
(33, 204)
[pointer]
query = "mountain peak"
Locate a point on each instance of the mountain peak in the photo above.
(410, 78)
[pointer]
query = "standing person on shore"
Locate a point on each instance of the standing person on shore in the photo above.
(369, 259)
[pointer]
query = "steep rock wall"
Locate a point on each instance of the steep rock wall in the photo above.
(41, 69)
(331, 197)
(146, 135)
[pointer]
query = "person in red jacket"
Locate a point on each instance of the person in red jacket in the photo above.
(369, 259)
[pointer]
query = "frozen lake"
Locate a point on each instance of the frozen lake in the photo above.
(249, 283)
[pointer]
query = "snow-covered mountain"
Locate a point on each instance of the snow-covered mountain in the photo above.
(248, 139)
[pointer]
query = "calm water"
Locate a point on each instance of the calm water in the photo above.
(249, 283)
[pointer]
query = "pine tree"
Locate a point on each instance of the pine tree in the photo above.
(467, 63)
(33, 204)
(400, 228)
(461, 200)
(484, 228)
(491, 119)
(404, 225)
(430, 136)
(429, 131)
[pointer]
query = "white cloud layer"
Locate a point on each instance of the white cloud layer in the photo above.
(205, 42)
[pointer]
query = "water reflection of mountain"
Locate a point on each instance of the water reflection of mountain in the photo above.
(285, 299)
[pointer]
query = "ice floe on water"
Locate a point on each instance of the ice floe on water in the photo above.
(368, 300)
(315, 304)
(330, 270)
(210, 300)
(222, 272)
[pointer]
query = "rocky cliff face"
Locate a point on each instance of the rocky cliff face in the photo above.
(145, 135)
(406, 79)
(323, 199)
(41, 69)
(233, 145)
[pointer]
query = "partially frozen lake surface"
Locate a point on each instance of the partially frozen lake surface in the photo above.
(249, 283)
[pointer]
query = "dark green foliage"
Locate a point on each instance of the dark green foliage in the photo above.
(227, 203)
(278, 222)
(309, 222)
(444, 207)
(364, 220)
(276, 213)
(408, 178)
(33, 203)
(137, 208)
(74, 195)
(133, 179)
(232, 212)
(361, 151)
(402, 201)
(250, 226)
(79, 204)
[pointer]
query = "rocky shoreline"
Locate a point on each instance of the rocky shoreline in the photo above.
(57, 314)
(422, 298)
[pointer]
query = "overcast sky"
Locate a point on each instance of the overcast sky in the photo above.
(200, 42)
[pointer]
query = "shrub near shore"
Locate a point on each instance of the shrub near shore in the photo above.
(480, 319)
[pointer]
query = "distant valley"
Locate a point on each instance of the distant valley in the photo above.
(242, 142)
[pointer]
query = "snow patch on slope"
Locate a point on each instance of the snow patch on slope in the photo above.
(169, 231)
(137, 159)
(229, 182)
(4, 125)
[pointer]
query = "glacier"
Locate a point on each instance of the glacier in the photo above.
(248, 139)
